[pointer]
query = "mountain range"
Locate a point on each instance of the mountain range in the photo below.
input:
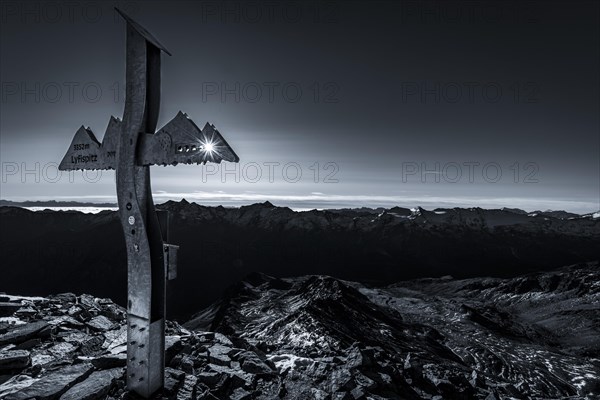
(47, 252)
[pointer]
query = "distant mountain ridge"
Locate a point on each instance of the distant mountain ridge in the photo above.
(53, 203)
(55, 251)
(77, 204)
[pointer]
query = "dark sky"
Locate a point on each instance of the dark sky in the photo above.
(498, 100)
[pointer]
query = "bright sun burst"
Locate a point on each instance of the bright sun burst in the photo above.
(208, 147)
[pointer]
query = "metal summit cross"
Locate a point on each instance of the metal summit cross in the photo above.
(130, 146)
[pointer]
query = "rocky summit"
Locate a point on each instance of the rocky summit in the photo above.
(317, 337)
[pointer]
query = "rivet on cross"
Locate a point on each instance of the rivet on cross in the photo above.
(130, 146)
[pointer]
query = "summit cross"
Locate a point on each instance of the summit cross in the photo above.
(130, 146)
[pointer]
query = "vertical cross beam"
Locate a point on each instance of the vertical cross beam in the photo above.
(145, 264)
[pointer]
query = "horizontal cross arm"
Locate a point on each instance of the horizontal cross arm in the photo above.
(180, 141)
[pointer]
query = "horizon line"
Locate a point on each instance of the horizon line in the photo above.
(320, 201)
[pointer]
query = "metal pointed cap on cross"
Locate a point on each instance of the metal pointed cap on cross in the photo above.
(180, 141)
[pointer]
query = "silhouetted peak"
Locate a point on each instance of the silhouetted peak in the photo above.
(514, 210)
(257, 278)
(399, 211)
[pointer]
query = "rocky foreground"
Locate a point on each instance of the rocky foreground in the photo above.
(316, 337)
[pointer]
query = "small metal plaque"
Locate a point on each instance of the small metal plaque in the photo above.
(170, 257)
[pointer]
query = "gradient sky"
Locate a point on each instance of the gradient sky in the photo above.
(388, 90)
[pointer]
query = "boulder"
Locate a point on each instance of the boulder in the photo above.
(355, 358)
(209, 378)
(115, 338)
(29, 344)
(237, 378)
(15, 384)
(96, 386)
(240, 394)
(173, 380)
(100, 323)
(357, 393)
(22, 333)
(92, 345)
(26, 311)
(187, 391)
(222, 339)
(219, 354)
(365, 381)
(89, 302)
(340, 379)
(61, 349)
(187, 364)
(7, 308)
(54, 383)
(172, 347)
(108, 361)
(65, 297)
(14, 359)
(66, 320)
(251, 363)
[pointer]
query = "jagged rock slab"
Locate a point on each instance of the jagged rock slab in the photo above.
(209, 378)
(94, 387)
(15, 384)
(240, 394)
(110, 361)
(115, 339)
(21, 333)
(8, 308)
(251, 363)
(53, 384)
(238, 378)
(219, 354)
(14, 359)
(188, 388)
(100, 323)
(29, 344)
